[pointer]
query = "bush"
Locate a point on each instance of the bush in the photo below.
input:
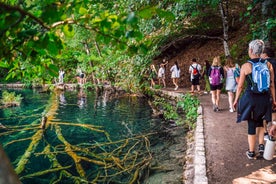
(11, 99)
(189, 104)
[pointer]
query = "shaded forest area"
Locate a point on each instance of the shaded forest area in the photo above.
(202, 49)
(205, 45)
(112, 40)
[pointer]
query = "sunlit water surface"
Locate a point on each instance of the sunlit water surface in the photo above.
(79, 144)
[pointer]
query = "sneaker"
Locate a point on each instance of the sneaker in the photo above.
(214, 107)
(176, 88)
(266, 136)
(231, 110)
(261, 149)
(250, 154)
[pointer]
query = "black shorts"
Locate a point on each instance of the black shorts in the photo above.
(216, 87)
(195, 81)
(252, 125)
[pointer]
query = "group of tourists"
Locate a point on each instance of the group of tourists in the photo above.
(250, 89)
(175, 74)
(80, 75)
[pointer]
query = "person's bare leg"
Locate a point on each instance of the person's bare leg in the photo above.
(192, 88)
(164, 82)
(266, 126)
(231, 99)
(260, 133)
(198, 88)
(251, 142)
(152, 83)
(176, 82)
(173, 80)
(217, 97)
(213, 98)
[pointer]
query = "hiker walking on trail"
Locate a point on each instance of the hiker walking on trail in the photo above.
(161, 75)
(194, 70)
(216, 76)
(269, 55)
(231, 84)
(205, 76)
(254, 106)
(175, 74)
(152, 75)
(61, 74)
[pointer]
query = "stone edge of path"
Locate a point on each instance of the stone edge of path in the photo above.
(195, 171)
(195, 168)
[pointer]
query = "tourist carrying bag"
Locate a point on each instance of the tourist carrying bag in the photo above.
(215, 76)
(195, 72)
(260, 77)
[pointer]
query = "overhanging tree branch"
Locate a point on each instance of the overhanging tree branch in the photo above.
(24, 13)
(56, 24)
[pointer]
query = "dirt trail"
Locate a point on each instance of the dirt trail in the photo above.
(226, 144)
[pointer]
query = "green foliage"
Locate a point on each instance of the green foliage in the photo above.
(11, 99)
(189, 104)
(169, 111)
(110, 40)
(261, 17)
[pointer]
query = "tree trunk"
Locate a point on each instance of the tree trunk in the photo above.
(223, 7)
(90, 63)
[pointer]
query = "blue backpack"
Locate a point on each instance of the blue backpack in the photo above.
(260, 78)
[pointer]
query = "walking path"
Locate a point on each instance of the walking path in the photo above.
(220, 146)
(226, 144)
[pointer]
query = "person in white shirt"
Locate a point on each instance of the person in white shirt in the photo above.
(161, 75)
(195, 78)
(61, 76)
(175, 74)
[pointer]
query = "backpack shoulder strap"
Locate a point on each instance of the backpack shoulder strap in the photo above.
(249, 61)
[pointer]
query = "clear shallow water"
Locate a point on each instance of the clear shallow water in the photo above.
(87, 137)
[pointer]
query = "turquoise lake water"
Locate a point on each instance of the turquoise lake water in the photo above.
(88, 138)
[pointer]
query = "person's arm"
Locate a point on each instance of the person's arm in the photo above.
(272, 130)
(272, 87)
(240, 85)
(209, 72)
(203, 70)
(190, 69)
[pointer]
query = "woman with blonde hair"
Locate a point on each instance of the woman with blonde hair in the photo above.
(152, 75)
(216, 75)
(231, 84)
